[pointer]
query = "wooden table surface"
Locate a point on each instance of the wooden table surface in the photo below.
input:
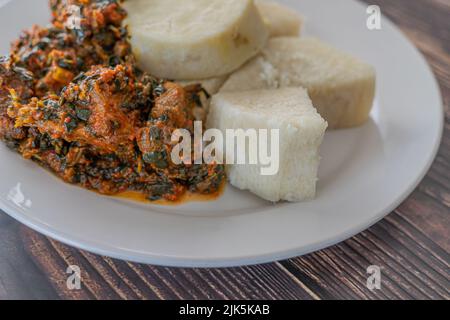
(411, 245)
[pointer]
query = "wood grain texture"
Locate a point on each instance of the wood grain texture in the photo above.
(19, 277)
(411, 245)
(105, 278)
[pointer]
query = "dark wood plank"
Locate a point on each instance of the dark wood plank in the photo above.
(426, 24)
(429, 216)
(19, 277)
(413, 266)
(106, 278)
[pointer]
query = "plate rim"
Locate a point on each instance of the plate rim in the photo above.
(148, 258)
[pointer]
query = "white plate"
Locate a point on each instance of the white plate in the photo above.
(365, 172)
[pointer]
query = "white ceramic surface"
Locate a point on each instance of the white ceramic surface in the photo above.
(365, 172)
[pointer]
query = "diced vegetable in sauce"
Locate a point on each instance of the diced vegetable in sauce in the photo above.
(73, 100)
